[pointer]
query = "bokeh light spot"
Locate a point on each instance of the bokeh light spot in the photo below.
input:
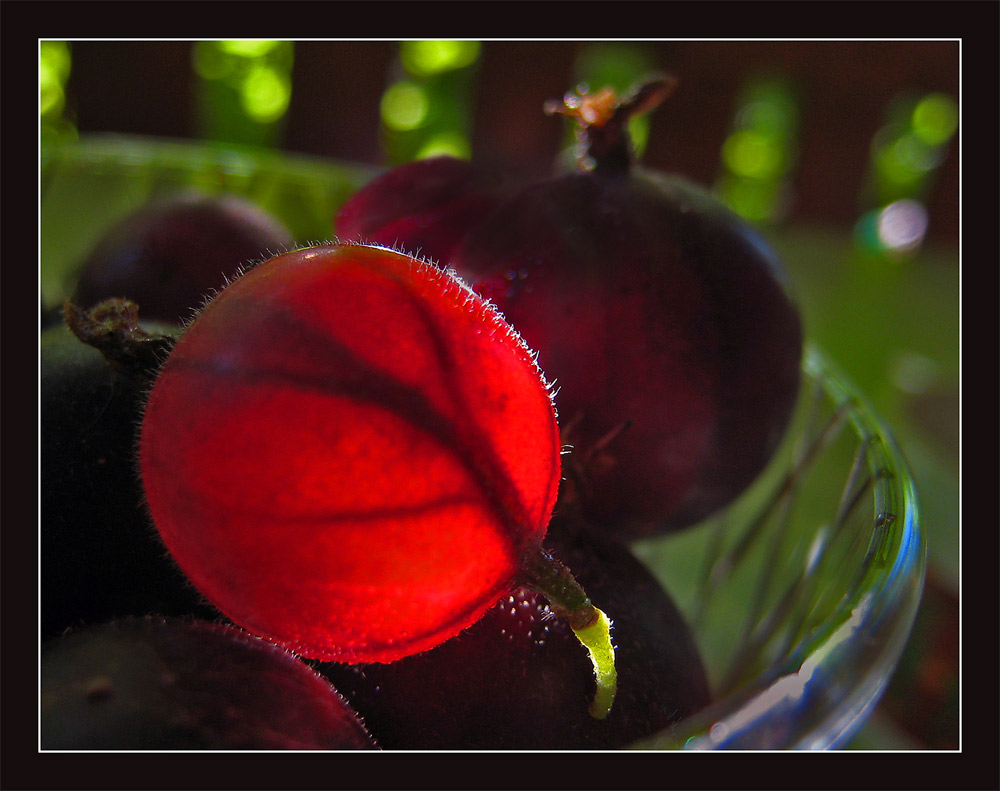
(760, 151)
(752, 199)
(53, 70)
(248, 48)
(54, 60)
(905, 161)
(866, 233)
(426, 58)
(51, 97)
(935, 119)
(915, 373)
(902, 225)
(404, 106)
(918, 156)
(244, 90)
(446, 143)
(210, 62)
(265, 94)
(770, 118)
(751, 154)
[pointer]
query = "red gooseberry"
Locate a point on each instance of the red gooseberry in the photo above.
(351, 453)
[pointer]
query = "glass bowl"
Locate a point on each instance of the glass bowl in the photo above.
(801, 594)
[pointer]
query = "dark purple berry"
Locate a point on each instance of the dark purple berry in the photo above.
(100, 555)
(664, 319)
(172, 684)
(519, 680)
(170, 254)
(423, 208)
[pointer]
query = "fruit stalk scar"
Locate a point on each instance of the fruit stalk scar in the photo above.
(568, 600)
(603, 141)
(112, 327)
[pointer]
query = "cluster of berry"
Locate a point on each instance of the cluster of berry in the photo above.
(352, 452)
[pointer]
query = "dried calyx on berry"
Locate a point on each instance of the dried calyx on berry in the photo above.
(113, 328)
(603, 142)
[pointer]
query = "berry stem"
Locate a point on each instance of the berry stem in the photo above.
(112, 327)
(547, 576)
(603, 141)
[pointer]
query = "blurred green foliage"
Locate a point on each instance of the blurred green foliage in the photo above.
(54, 65)
(759, 155)
(425, 109)
(910, 146)
(244, 88)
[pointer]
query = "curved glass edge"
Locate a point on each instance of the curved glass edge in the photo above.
(806, 704)
(887, 611)
(121, 151)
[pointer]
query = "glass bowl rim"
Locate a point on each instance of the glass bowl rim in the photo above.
(873, 620)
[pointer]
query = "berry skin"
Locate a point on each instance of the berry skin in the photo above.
(173, 684)
(663, 319)
(350, 453)
(516, 679)
(170, 254)
(675, 350)
(424, 207)
(100, 558)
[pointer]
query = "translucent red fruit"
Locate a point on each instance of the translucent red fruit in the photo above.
(423, 207)
(169, 254)
(517, 679)
(348, 451)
